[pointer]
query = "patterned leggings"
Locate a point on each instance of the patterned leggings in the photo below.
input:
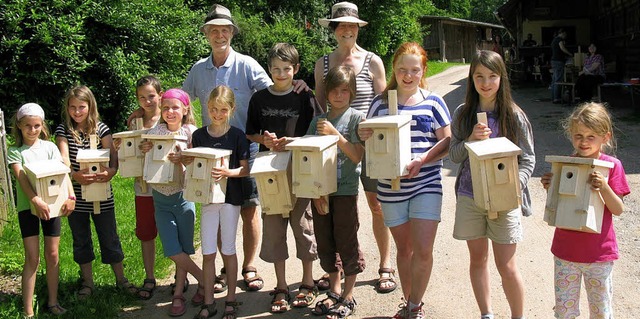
(597, 283)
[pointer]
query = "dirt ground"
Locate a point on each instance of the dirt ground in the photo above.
(449, 294)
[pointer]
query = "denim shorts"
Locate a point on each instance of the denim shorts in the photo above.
(249, 186)
(422, 206)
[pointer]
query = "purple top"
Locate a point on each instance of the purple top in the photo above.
(465, 187)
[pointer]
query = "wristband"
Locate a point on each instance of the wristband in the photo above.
(72, 197)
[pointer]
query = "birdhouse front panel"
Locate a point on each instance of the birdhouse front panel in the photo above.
(50, 180)
(315, 171)
(494, 173)
(158, 169)
(571, 203)
(272, 172)
(388, 150)
(200, 186)
(94, 162)
(130, 157)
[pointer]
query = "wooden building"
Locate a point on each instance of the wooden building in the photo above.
(613, 25)
(456, 40)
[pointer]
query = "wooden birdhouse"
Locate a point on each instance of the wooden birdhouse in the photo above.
(315, 170)
(158, 169)
(272, 172)
(95, 161)
(571, 202)
(200, 186)
(130, 157)
(389, 148)
(50, 180)
(494, 173)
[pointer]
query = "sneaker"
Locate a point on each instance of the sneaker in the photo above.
(417, 312)
(487, 316)
(403, 313)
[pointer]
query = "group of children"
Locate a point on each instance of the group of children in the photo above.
(324, 230)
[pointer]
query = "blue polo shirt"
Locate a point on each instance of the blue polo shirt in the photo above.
(240, 72)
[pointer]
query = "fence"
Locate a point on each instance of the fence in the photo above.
(6, 192)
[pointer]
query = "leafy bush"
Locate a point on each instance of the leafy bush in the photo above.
(47, 47)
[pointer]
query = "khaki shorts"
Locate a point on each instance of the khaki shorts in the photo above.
(472, 222)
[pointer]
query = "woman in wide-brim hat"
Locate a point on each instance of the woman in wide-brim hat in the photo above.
(370, 78)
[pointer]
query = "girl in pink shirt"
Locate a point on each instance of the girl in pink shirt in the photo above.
(590, 256)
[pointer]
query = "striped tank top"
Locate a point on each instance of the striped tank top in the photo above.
(364, 85)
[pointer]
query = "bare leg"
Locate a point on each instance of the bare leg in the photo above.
(479, 273)
(505, 257)
(250, 238)
(381, 234)
(31, 261)
(402, 237)
(231, 264)
(423, 235)
(208, 276)
(51, 257)
(149, 258)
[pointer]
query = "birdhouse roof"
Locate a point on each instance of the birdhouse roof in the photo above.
(387, 121)
(312, 143)
(269, 162)
(46, 168)
(493, 148)
(577, 160)
(206, 152)
(90, 156)
(126, 134)
(169, 137)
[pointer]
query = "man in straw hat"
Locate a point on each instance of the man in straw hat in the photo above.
(244, 75)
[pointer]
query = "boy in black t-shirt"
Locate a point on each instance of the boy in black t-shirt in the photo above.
(276, 116)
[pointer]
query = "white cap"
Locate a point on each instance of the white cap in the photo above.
(30, 109)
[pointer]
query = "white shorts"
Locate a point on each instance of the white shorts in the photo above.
(219, 216)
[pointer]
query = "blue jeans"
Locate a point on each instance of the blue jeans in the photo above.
(558, 73)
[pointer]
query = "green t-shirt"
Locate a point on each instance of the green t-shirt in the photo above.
(348, 171)
(39, 151)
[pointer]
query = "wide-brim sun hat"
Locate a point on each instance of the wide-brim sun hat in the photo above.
(219, 15)
(343, 12)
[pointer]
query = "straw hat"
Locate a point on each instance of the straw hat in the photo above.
(219, 15)
(343, 12)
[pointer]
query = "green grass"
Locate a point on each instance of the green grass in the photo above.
(107, 301)
(435, 67)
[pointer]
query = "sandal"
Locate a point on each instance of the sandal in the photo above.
(259, 283)
(303, 300)
(127, 286)
(177, 311)
(323, 283)
(220, 284)
(210, 309)
(343, 309)
(173, 285)
(85, 291)
(146, 291)
(387, 275)
(198, 298)
(233, 313)
(322, 308)
(280, 305)
(56, 310)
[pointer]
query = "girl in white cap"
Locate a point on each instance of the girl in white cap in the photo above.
(31, 145)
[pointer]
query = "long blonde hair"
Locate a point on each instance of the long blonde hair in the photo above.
(595, 117)
(82, 93)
